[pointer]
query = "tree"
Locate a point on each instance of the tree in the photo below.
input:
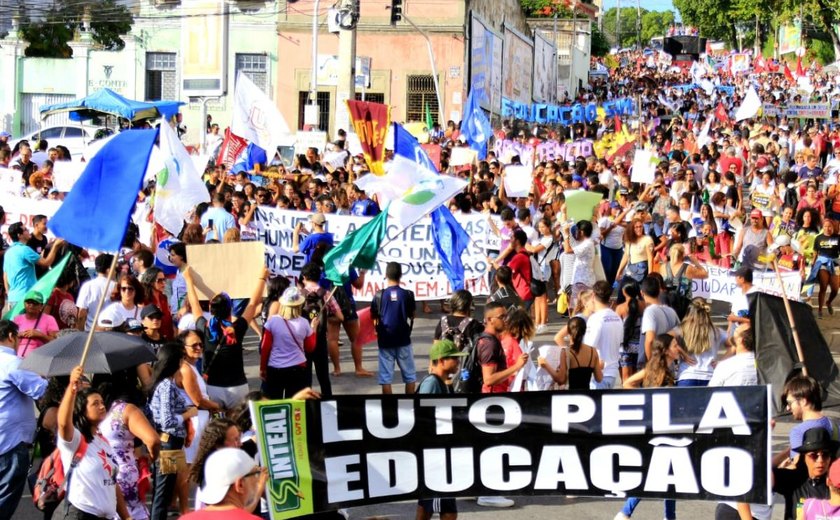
(545, 8)
(712, 17)
(654, 23)
(599, 45)
(49, 35)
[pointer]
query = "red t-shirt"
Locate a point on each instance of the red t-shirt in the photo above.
(230, 514)
(520, 264)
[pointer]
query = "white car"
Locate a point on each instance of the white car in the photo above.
(74, 137)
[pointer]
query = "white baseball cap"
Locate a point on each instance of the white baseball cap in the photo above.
(222, 468)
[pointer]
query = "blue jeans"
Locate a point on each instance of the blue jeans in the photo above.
(164, 485)
(403, 357)
(693, 382)
(14, 465)
(606, 383)
(610, 259)
(632, 502)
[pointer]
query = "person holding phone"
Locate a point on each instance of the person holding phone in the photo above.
(216, 221)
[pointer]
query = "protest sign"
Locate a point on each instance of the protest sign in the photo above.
(461, 155)
(11, 181)
(413, 248)
(706, 444)
(22, 209)
(720, 284)
(563, 114)
(518, 181)
(644, 166)
(213, 271)
(313, 139)
(809, 110)
(580, 204)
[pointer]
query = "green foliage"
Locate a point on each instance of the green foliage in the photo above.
(49, 36)
(599, 45)
(545, 8)
(654, 23)
(822, 51)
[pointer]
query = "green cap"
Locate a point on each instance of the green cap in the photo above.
(443, 349)
(34, 296)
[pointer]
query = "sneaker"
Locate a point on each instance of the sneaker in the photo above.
(541, 328)
(621, 516)
(495, 502)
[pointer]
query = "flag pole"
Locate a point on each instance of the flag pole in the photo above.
(89, 338)
(789, 312)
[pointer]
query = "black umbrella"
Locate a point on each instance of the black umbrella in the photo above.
(109, 352)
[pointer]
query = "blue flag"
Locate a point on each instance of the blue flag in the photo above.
(250, 156)
(450, 243)
(406, 145)
(475, 127)
(96, 211)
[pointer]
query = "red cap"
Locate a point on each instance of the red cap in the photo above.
(756, 213)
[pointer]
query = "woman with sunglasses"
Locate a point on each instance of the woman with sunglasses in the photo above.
(126, 300)
(154, 283)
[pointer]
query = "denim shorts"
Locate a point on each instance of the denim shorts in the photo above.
(404, 358)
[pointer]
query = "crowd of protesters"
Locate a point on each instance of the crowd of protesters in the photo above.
(614, 289)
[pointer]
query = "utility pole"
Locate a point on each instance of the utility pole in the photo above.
(572, 76)
(346, 70)
(639, 23)
(434, 66)
(310, 112)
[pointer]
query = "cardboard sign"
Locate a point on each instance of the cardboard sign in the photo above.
(231, 268)
(462, 155)
(315, 139)
(517, 181)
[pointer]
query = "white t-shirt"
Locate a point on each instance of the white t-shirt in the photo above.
(89, 295)
(615, 238)
(739, 370)
(187, 321)
(704, 367)
(93, 482)
(117, 313)
(531, 233)
(605, 332)
(740, 302)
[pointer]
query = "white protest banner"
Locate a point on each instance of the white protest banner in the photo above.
(461, 155)
(720, 285)
(66, 173)
(809, 110)
(492, 241)
(314, 139)
(11, 181)
(517, 180)
(644, 166)
(413, 248)
(22, 209)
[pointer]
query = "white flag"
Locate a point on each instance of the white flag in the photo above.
(179, 186)
(257, 119)
(750, 107)
(704, 138)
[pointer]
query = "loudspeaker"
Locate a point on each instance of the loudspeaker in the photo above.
(674, 45)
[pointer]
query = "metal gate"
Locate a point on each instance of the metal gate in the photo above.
(30, 111)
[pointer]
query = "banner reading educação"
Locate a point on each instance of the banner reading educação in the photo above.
(413, 248)
(682, 443)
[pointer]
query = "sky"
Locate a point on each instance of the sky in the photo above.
(650, 5)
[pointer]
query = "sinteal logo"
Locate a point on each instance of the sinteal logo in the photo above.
(284, 484)
(423, 192)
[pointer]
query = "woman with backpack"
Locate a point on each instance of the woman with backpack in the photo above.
(90, 467)
(702, 342)
(544, 251)
(285, 342)
(678, 275)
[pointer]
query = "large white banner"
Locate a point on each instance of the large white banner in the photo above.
(720, 285)
(22, 209)
(413, 248)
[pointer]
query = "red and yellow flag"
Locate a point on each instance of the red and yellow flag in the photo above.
(371, 122)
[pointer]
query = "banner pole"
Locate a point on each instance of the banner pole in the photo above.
(89, 339)
(789, 312)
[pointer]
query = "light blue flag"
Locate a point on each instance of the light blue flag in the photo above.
(475, 127)
(96, 211)
(450, 241)
(406, 145)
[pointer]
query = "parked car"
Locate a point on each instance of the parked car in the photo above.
(74, 137)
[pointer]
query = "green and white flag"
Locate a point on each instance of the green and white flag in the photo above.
(44, 286)
(358, 249)
(179, 187)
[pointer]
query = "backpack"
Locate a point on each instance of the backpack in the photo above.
(313, 305)
(471, 379)
(678, 294)
(538, 284)
(458, 333)
(52, 482)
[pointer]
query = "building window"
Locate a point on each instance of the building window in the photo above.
(373, 97)
(421, 92)
(161, 76)
(323, 109)
(255, 66)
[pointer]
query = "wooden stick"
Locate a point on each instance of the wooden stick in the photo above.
(789, 312)
(89, 339)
